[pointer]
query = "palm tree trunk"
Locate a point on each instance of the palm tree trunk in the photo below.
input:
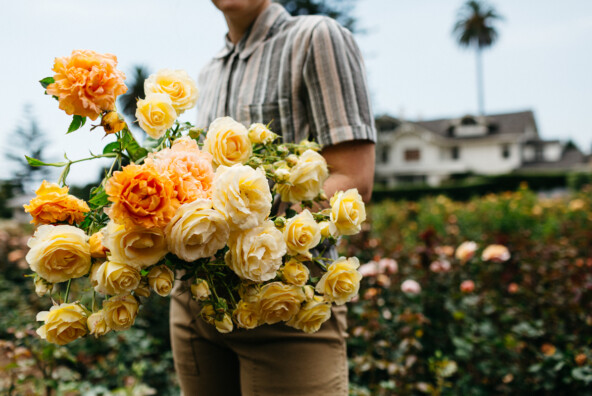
(480, 82)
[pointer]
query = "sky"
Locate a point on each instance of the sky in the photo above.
(541, 62)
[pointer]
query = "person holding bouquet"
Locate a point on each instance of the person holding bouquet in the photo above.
(306, 76)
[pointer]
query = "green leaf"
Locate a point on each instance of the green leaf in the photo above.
(132, 147)
(151, 143)
(46, 81)
(99, 198)
(111, 148)
(36, 162)
(77, 123)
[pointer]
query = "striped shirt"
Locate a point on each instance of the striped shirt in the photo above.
(305, 75)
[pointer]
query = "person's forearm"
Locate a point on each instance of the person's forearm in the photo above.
(340, 182)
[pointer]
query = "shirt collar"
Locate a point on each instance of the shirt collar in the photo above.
(262, 28)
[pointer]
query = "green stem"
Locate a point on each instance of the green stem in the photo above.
(92, 306)
(67, 291)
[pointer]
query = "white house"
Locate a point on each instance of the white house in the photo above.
(433, 151)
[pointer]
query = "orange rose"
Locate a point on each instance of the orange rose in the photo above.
(53, 204)
(141, 196)
(189, 169)
(87, 83)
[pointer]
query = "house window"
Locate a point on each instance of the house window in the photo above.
(412, 155)
(506, 151)
(455, 153)
(384, 154)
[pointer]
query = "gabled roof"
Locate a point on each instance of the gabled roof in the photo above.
(498, 124)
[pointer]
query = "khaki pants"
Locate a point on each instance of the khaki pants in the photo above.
(268, 360)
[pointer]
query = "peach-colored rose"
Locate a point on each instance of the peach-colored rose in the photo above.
(177, 85)
(341, 282)
(513, 288)
(465, 251)
(312, 315)
(279, 302)
(497, 253)
(87, 83)
(53, 204)
(63, 323)
(189, 169)
(467, 286)
(141, 196)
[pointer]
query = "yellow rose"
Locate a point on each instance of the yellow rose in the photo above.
(348, 211)
(63, 323)
(279, 302)
(59, 253)
(341, 282)
(161, 279)
(256, 254)
(302, 233)
(120, 311)
(200, 290)
(328, 229)
(228, 142)
(156, 114)
(177, 85)
(312, 315)
(224, 325)
(295, 273)
(242, 195)
(143, 289)
(208, 313)
(306, 178)
(246, 314)
(196, 231)
(249, 291)
(53, 204)
(309, 292)
(113, 278)
(136, 246)
(465, 251)
(97, 325)
(496, 253)
(259, 133)
(97, 250)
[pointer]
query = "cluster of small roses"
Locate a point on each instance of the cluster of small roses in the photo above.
(197, 209)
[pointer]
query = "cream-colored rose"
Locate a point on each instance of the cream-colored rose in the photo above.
(97, 325)
(97, 250)
(302, 233)
(120, 311)
(348, 211)
(143, 289)
(59, 253)
(306, 178)
(42, 287)
(295, 273)
(279, 302)
(224, 325)
(161, 279)
(242, 195)
(200, 290)
(497, 253)
(63, 323)
(196, 230)
(259, 133)
(136, 246)
(256, 254)
(341, 282)
(208, 313)
(312, 315)
(246, 314)
(177, 85)
(465, 251)
(114, 278)
(156, 114)
(228, 142)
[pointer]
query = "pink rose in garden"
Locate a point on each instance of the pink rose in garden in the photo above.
(387, 265)
(369, 269)
(383, 280)
(467, 286)
(410, 287)
(465, 251)
(497, 253)
(440, 266)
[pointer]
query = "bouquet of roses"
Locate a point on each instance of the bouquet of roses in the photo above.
(189, 201)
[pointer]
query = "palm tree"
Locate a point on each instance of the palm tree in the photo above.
(474, 28)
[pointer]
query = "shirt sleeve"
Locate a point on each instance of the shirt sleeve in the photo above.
(338, 103)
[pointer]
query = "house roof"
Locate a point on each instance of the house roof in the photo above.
(498, 124)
